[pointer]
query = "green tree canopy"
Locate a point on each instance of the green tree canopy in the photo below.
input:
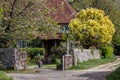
(1, 12)
(91, 27)
(24, 20)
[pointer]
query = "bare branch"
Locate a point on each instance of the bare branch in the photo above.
(27, 6)
(11, 11)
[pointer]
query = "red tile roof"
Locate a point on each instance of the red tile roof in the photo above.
(63, 11)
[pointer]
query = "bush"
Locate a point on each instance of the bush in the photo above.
(57, 55)
(117, 49)
(58, 52)
(107, 52)
(4, 77)
(58, 63)
(34, 52)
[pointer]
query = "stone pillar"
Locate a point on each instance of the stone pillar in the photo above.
(11, 58)
(20, 60)
(68, 61)
(75, 60)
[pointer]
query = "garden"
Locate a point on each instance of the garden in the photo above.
(94, 28)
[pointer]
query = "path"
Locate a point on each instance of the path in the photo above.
(97, 73)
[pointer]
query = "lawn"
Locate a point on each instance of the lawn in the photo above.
(115, 75)
(92, 63)
(49, 66)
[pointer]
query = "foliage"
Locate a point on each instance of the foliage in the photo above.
(4, 77)
(58, 63)
(107, 52)
(92, 63)
(91, 27)
(1, 12)
(115, 75)
(81, 4)
(106, 5)
(36, 43)
(34, 53)
(116, 49)
(111, 8)
(25, 20)
(57, 53)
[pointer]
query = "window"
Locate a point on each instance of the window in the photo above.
(23, 44)
(64, 28)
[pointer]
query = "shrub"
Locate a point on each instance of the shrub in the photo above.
(58, 63)
(34, 52)
(4, 77)
(107, 52)
(57, 55)
(58, 52)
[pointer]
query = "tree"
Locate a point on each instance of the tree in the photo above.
(1, 12)
(106, 5)
(91, 27)
(24, 20)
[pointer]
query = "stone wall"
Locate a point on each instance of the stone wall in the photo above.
(86, 54)
(12, 59)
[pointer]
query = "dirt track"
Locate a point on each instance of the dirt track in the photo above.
(97, 73)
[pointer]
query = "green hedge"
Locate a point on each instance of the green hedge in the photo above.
(32, 52)
(3, 76)
(107, 52)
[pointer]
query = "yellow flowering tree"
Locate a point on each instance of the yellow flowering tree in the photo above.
(91, 26)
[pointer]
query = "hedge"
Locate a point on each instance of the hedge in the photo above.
(32, 52)
(107, 52)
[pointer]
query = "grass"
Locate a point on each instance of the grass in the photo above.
(115, 75)
(49, 66)
(3, 76)
(19, 71)
(92, 63)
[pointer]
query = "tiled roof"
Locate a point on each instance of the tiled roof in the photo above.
(51, 37)
(63, 12)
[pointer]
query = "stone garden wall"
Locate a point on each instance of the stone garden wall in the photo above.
(86, 54)
(12, 59)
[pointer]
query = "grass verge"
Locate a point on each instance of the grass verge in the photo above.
(115, 75)
(19, 71)
(3, 76)
(92, 63)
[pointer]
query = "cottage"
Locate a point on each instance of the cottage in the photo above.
(63, 14)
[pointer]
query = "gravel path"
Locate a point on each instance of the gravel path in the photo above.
(97, 73)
